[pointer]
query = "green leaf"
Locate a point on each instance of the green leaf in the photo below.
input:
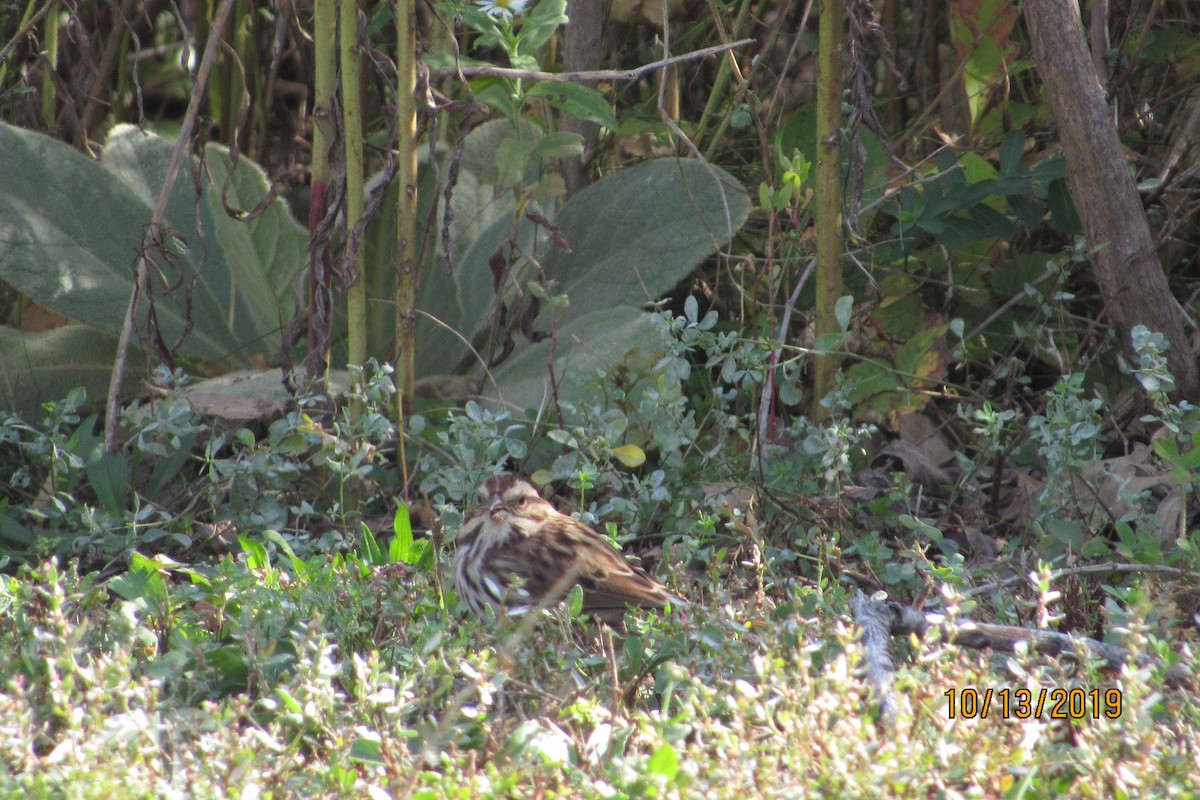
(920, 357)
(274, 537)
(630, 455)
(575, 601)
(46, 365)
(790, 393)
(401, 549)
(143, 581)
(367, 750)
(541, 24)
(668, 214)
(369, 550)
(542, 742)
(512, 159)
(867, 382)
(1065, 531)
(560, 144)
(1011, 150)
(635, 653)
(765, 196)
(70, 229)
(581, 102)
(1063, 213)
(230, 663)
(671, 215)
(843, 309)
(594, 342)
(665, 762)
(108, 475)
(798, 134)
(256, 552)
(980, 32)
(12, 533)
(497, 95)
(1049, 170)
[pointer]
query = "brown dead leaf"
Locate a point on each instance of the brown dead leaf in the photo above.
(1172, 514)
(918, 465)
(920, 431)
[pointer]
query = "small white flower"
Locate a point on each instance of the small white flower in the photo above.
(502, 8)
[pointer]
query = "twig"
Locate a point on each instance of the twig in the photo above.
(591, 75)
(1182, 139)
(1090, 569)
(764, 404)
(905, 620)
(150, 238)
(96, 106)
(1012, 301)
(18, 38)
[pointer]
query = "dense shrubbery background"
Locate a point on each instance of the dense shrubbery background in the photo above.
(248, 593)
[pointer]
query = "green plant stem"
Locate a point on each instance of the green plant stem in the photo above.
(232, 86)
(408, 273)
(48, 88)
(828, 192)
(28, 20)
(319, 292)
(356, 294)
(97, 105)
(719, 86)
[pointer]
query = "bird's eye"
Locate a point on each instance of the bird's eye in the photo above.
(522, 500)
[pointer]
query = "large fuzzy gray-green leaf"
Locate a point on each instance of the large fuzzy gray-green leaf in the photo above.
(483, 142)
(633, 236)
(36, 368)
(636, 235)
(70, 229)
(596, 341)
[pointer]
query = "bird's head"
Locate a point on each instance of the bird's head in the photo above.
(512, 499)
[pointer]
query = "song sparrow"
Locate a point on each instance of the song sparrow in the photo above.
(515, 549)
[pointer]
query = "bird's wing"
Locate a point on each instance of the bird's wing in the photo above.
(553, 564)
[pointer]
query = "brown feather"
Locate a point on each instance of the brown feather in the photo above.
(516, 549)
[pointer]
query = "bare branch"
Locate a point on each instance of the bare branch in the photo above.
(591, 75)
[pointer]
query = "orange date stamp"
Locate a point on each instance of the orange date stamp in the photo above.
(1059, 703)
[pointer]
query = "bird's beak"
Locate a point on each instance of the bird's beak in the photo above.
(495, 503)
